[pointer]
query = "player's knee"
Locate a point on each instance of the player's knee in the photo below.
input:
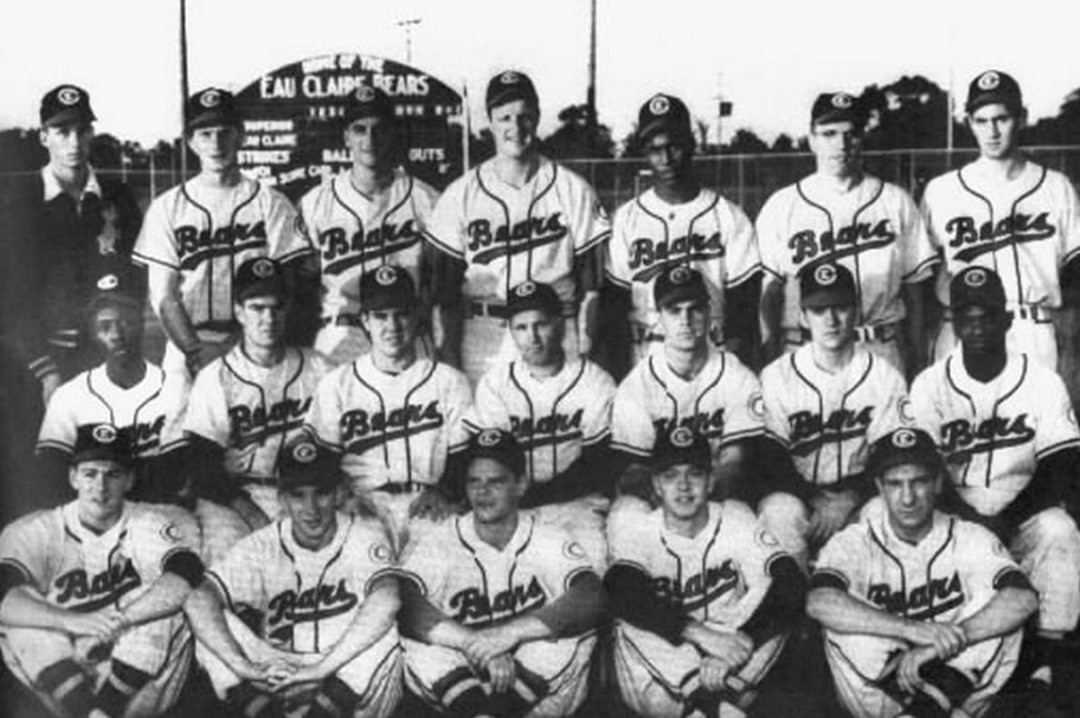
(786, 518)
(1055, 528)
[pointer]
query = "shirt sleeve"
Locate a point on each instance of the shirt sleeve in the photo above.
(1057, 427)
(770, 242)
(842, 563)
(985, 560)
(617, 250)
(745, 409)
(323, 419)
(917, 255)
(25, 546)
(632, 430)
(743, 259)
(427, 562)
(488, 410)
(773, 392)
(165, 531)
(285, 231)
(589, 220)
(239, 574)
(156, 243)
(207, 414)
(60, 425)
(1070, 223)
(458, 400)
(891, 407)
(925, 413)
(563, 560)
(596, 421)
(446, 230)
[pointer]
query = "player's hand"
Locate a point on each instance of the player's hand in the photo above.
(49, 383)
(200, 355)
(501, 673)
(89, 650)
(431, 504)
(714, 673)
(99, 624)
(487, 643)
(947, 639)
(831, 512)
(907, 673)
(285, 677)
(732, 648)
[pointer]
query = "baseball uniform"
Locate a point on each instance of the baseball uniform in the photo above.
(948, 576)
(477, 586)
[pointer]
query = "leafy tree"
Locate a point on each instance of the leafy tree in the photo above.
(574, 139)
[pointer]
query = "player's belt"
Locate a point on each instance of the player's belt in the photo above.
(868, 333)
(64, 338)
(1036, 313)
(343, 320)
(397, 488)
(487, 309)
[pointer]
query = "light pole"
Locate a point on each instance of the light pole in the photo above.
(408, 26)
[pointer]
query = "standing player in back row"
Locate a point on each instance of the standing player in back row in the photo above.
(678, 221)
(841, 214)
(517, 217)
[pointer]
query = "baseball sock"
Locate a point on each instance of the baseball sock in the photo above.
(333, 699)
(66, 684)
(123, 682)
(249, 702)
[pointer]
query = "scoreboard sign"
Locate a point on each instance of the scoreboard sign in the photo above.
(294, 120)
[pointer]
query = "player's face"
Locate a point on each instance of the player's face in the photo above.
(513, 127)
(216, 146)
(981, 330)
(370, 141)
(670, 156)
(910, 493)
(683, 490)
(391, 330)
(68, 144)
(262, 320)
(100, 485)
(831, 326)
(313, 510)
(836, 147)
(493, 491)
(538, 336)
(996, 129)
(118, 331)
(685, 324)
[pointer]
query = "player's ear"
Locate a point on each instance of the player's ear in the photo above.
(43, 136)
(129, 479)
(72, 473)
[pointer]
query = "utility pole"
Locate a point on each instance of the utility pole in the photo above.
(408, 26)
(183, 87)
(590, 98)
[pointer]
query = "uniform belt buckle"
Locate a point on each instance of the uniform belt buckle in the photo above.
(343, 320)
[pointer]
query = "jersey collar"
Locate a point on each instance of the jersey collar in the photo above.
(75, 527)
(522, 536)
(285, 535)
(1011, 374)
(54, 190)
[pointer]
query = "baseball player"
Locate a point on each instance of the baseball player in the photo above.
(677, 221)
(372, 215)
(559, 410)
(842, 215)
(922, 610)
(828, 400)
(1005, 425)
(396, 419)
(1007, 213)
(91, 591)
(517, 217)
(299, 615)
(499, 609)
(702, 596)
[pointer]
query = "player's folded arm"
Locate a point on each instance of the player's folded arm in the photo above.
(578, 610)
(769, 469)
(420, 619)
(12, 576)
(1056, 482)
(632, 598)
(783, 602)
(204, 464)
(589, 474)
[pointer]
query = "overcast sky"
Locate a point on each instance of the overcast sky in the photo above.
(769, 58)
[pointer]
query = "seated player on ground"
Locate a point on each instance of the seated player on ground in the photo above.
(499, 608)
(299, 615)
(91, 591)
(703, 597)
(922, 610)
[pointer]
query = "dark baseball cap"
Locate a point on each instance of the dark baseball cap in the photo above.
(499, 445)
(534, 295)
(111, 291)
(976, 285)
(826, 285)
(663, 113)
(509, 86)
(65, 103)
(836, 107)
(209, 107)
(103, 441)
(367, 101)
(259, 277)
(993, 86)
(681, 445)
(305, 463)
(679, 283)
(387, 287)
(903, 446)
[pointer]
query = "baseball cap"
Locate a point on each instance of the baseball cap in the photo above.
(103, 441)
(826, 285)
(663, 113)
(993, 86)
(212, 106)
(903, 446)
(679, 283)
(509, 86)
(976, 285)
(110, 290)
(836, 107)
(259, 277)
(387, 287)
(499, 445)
(681, 445)
(304, 463)
(65, 103)
(368, 101)
(533, 295)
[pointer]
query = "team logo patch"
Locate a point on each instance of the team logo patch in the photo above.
(365, 93)
(842, 100)
(682, 437)
(659, 105)
(264, 268)
(379, 553)
(210, 98)
(904, 408)
(104, 433)
(680, 275)
(385, 275)
(825, 274)
(509, 78)
(574, 550)
(525, 289)
(108, 282)
(757, 405)
(489, 438)
(767, 539)
(989, 80)
(975, 278)
(304, 452)
(68, 96)
(171, 533)
(903, 438)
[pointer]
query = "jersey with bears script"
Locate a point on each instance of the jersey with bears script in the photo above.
(1025, 229)
(946, 577)
(722, 402)
(826, 421)
(252, 411)
(992, 434)
(478, 585)
(708, 233)
(356, 233)
(507, 235)
(392, 428)
(874, 229)
(303, 601)
(78, 570)
(718, 576)
(552, 418)
(205, 234)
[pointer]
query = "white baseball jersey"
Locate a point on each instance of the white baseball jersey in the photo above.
(827, 421)
(874, 229)
(508, 235)
(708, 233)
(552, 418)
(478, 585)
(305, 600)
(252, 411)
(78, 570)
(356, 233)
(1024, 229)
(723, 403)
(392, 428)
(993, 434)
(205, 234)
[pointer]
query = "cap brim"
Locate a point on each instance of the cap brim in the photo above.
(683, 295)
(505, 458)
(102, 454)
(663, 124)
(918, 457)
(72, 114)
(662, 463)
(212, 119)
(838, 115)
(991, 98)
(509, 95)
(827, 298)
